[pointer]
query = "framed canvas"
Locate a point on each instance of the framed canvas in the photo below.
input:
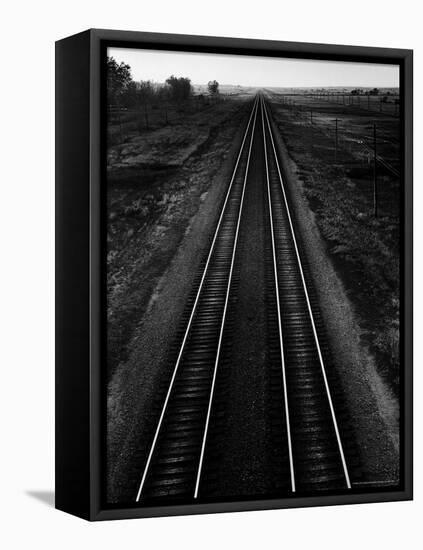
(234, 274)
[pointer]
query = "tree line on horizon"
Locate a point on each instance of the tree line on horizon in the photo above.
(124, 92)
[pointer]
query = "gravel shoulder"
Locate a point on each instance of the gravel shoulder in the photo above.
(371, 402)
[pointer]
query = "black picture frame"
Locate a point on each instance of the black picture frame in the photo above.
(80, 265)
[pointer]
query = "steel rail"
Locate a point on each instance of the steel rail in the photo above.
(281, 343)
(310, 311)
(200, 287)
(197, 483)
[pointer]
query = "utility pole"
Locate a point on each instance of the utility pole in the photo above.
(120, 122)
(368, 102)
(311, 132)
(374, 172)
(146, 115)
(336, 140)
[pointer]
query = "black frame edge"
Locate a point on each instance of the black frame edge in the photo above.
(72, 367)
(245, 45)
(407, 67)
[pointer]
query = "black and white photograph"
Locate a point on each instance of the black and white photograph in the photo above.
(210, 236)
(253, 237)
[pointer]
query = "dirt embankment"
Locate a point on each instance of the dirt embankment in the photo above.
(158, 254)
(371, 401)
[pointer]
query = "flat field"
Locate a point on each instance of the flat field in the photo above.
(331, 140)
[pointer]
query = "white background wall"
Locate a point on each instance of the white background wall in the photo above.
(28, 32)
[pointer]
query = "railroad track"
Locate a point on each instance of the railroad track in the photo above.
(317, 457)
(311, 450)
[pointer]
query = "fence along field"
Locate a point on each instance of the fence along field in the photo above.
(362, 131)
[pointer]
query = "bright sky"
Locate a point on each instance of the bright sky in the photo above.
(254, 71)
